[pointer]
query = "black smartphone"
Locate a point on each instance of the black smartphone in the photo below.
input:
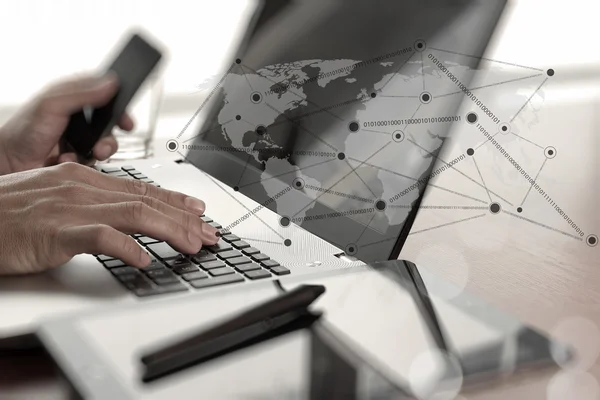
(133, 64)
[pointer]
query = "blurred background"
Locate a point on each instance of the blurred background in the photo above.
(46, 40)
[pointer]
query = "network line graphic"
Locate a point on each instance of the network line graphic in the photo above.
(280, 95)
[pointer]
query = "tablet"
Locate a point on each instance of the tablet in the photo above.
(389, 330)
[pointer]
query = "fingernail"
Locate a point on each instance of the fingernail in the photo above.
(107, 79)
(195, 240)
(144, 258)
(195, 205)
(104, 151)
(210, 231)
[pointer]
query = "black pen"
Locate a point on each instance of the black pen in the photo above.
(289, 310)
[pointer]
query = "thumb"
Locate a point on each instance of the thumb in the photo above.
(70, 96)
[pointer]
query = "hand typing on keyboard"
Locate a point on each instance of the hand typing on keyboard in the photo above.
(30, 139)
(51, 214)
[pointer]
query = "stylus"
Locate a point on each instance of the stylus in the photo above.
(273, 318)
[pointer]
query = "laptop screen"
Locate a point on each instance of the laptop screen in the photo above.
(333, 112)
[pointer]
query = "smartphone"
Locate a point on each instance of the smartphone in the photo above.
(133, 64)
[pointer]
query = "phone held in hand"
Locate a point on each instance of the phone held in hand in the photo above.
(132, 66)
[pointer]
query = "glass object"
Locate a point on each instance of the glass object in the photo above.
(143, 109)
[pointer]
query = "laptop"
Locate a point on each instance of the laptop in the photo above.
(315, 149)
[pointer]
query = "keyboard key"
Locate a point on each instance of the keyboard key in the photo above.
(269, 264)
(111, 170)
(215, 225)
(121, 175)
(128, 168)
(221, 271)
(195, 276)
(154, 266)
(178, 262)
(140, 176)
(161, 273)
(240, 244)
(130, 278)
(186, 269)
(145, 292)
(206, 219)
(147, 240)
(230, 238)
(166, 281)
(141, 282)
(113, 263)
(260, 274)
(280, 270)
(147, 180)
(229, 254)
(103, 258)
(132, 171)
(238, 261)
(221, 280)
(173, 288)
(250, 251)
(212, 265)
(136, 235)
(124, 271)
(247, 267)
(220, 246)
(163, 251)
(260, 257)
(203, 256)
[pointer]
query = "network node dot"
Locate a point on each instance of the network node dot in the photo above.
(261, 130)
(236, 188)
(420, 45)
(351, 249)
(256, 97)
(470, 152)
(505, 128)
(398, 136)
(341, 156)
(495, 208)
(238, 61)
(425, 97)
(172, 145)
(285, 222)
(353, 126)
(519, 209)
(298, 184)
(472, 118)
(592, 240)
(550, 152)
(550, 72)
(238, 117)
(373, 95)
(287, 242)
(380, 205)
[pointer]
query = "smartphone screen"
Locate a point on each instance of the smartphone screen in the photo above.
(133, 65)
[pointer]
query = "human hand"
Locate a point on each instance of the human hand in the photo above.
(30, 139)
(49, 215)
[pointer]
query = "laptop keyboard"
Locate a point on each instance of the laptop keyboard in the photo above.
(230, 261)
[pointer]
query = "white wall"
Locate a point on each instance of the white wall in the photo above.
(42, 40)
